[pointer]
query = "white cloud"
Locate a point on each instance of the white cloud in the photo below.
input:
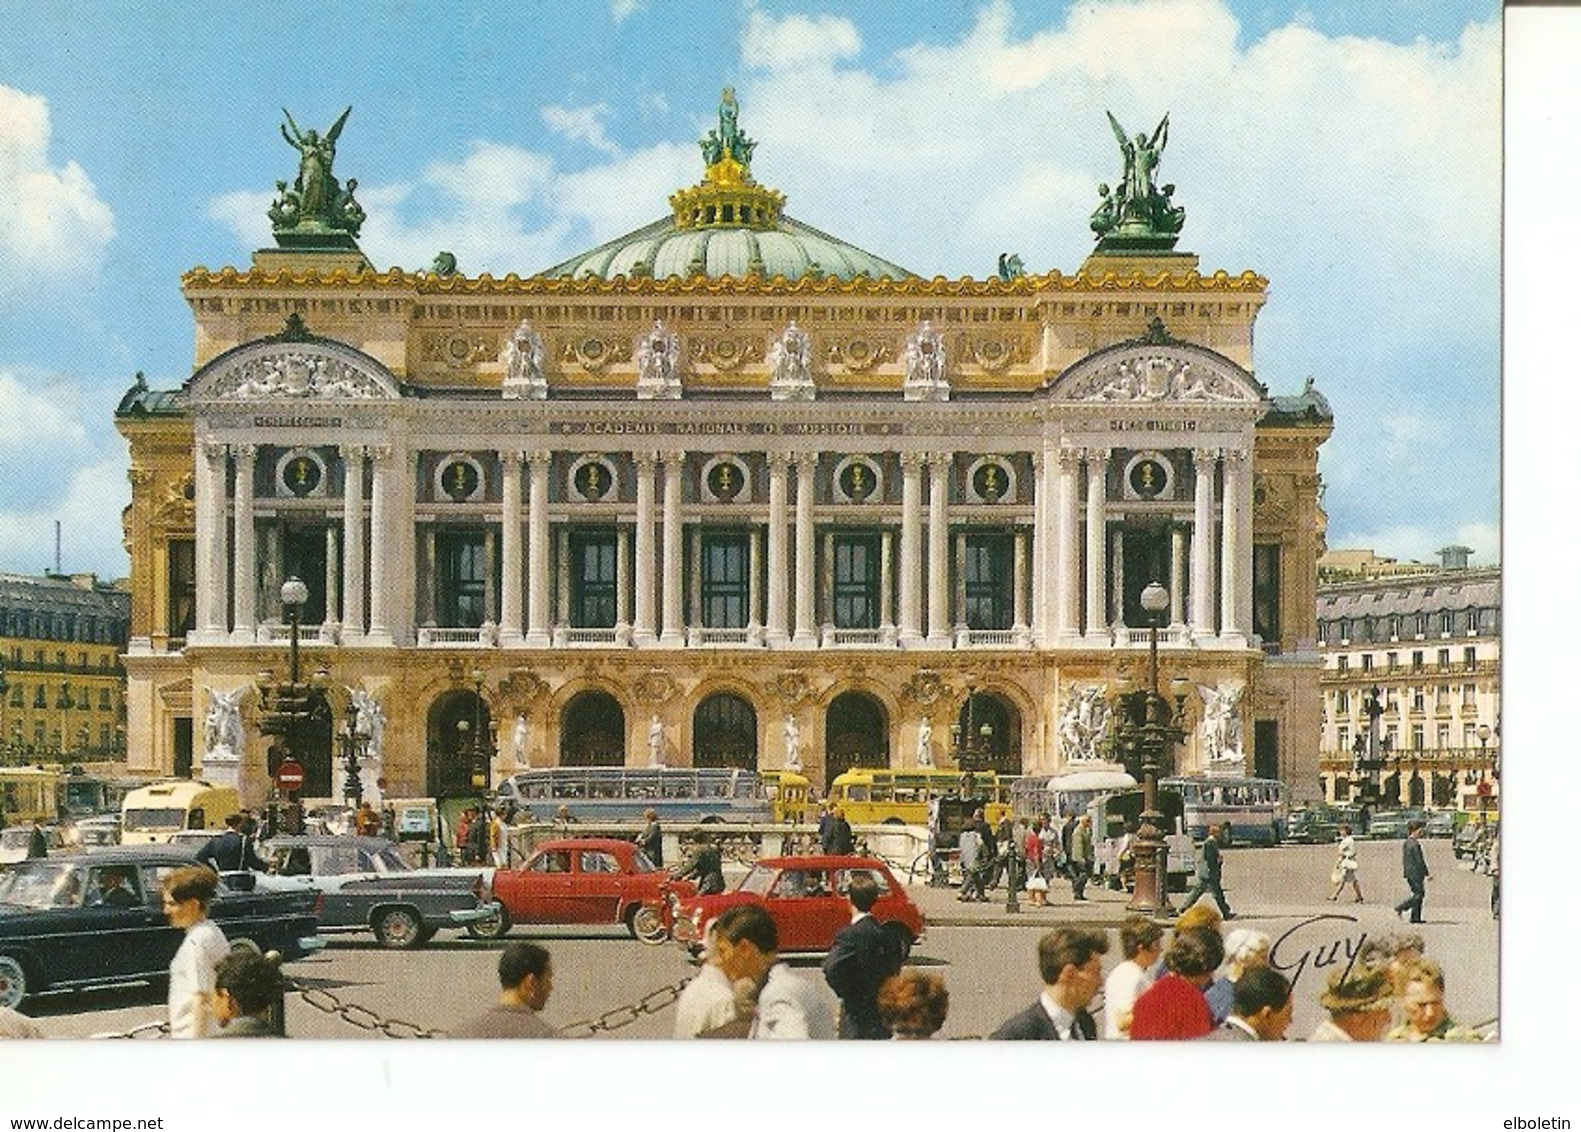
(581, 123)
(245, 213)
(89, 512)
(622, 10)
(53, 225)
(798, 42)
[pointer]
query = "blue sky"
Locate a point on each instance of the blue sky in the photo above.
(1349, 152)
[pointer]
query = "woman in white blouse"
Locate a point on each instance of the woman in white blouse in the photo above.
(1345, 867)
(187, 893)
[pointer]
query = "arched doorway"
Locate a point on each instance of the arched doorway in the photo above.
(593, 731)
(1416, 790)
(725, 733)
(451, 747)
(1001, 742)
(855, 733)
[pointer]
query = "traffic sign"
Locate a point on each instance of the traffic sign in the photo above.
(290, 775)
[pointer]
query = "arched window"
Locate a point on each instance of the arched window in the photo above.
(725, 733)
(593, 731)
(856, 733)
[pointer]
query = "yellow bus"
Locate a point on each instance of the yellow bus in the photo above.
(790, 794)
(29, 794)
(871, 796)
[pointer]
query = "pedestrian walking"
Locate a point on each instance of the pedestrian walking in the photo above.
(1081, 857)
(526, 981)
(651, 841)
(187, 893)
(1070, 961)
(861, 957)
(837, 839)
(1210, 874)
(246, 985)
(37, 842)
(1346, 870)
(1142, 942)
(706, 866)
(1414, 865)
(971, 850)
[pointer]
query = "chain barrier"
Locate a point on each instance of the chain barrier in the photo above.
(358, 1016)
(651, 1003)
(146, 1030)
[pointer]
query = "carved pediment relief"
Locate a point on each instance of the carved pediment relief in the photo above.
(292, 372)
(1145, 374)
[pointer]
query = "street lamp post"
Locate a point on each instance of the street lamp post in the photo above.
(352, 741)
(287, 705)
(974, 752)
(482, 751)
(1484, 789)
(1149, 726)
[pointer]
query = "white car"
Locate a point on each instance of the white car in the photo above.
(14, 841)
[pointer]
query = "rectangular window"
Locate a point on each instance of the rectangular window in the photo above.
(1418, 700)
(1418, 737)
(1441, 700)
(726, 571)
(1416, 660)
(1473, 620)
(593, 563)
(1471, 660)
(182, 608)
(1469, 736)
(463, 572)
(989, 600)
(1443, 659)
(1366, 662)
(1394, 627)
(1468, 695)
(1446, 623)
(856, 576)
(1344, 738)
(1392, 660)
(1443, 736)
(1342, 701)
(1344, 664)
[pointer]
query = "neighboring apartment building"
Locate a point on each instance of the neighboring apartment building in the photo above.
(1425, 644)
(61, 640)
(728, 482)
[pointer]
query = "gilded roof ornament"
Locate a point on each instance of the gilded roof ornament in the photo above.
(727, 197)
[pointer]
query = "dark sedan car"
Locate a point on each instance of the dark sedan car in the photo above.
(94, 919)
(369, 886)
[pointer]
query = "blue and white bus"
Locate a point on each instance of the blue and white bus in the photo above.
(1253, 808)
(621, 793)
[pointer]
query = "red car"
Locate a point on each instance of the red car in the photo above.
(585, 880)
(806, 897)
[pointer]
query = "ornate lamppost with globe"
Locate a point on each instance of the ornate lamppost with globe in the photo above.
(286, 707)
(352, 744)
(974, 753)
(1148, 730)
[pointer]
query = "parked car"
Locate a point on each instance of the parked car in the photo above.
(58, 933)
(1440, 823)
(14, 842)
(585, 880)
(1311, 827)
(94, 832)
(369, 886)
(1388, 824)
(806, 897)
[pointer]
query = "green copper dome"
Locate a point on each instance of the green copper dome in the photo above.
(727, 224)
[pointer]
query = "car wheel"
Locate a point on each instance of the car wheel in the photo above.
(398, 928)
(902, 938)
(646, 924)
(13, 981)
(494, 927)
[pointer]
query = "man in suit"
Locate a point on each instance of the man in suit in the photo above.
(1210, 873)
(1416, 874)
(1070, 962)
(837, 838)
(1263, 1006)
(1080, 857)
(230, 852)
(861, 957)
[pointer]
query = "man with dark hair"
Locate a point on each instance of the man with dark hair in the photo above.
(526, 980)
(230, 852)
(743, 950)
(706, 866)
(1416, 874)
(861, 957)
(1070, 962)
(1262, 1011)
(1210, 873)
(1174, 1008)
(836, 838)
(245, 986)
(1141, 942)
(651, 840)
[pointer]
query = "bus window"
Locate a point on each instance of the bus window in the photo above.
(679, 786)
(882, 792)
(858, 793)
(600, 787)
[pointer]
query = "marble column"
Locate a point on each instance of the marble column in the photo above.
(806, 611)
(1018, 580)
(674, 631)
(1203, 622)
(353, 616)
(777, 634)
(1097, 629)
(623, 585)
(754, 585)
(332, 572)
(939, 626)
(244, 580)
(1235, 559)
(538, 465)
(511, 549)
(1177, 575)
(886, 584)
(386, 509)
(1117, 578)
(1067, 558)
(643, 626)
(1041, 593)
(208, 501)
(911, 466)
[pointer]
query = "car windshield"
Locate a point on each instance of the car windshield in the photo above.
(170, 818)
(759, 880)
(389, 860)
(43, 886)
(15, 838)
(641, 864)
